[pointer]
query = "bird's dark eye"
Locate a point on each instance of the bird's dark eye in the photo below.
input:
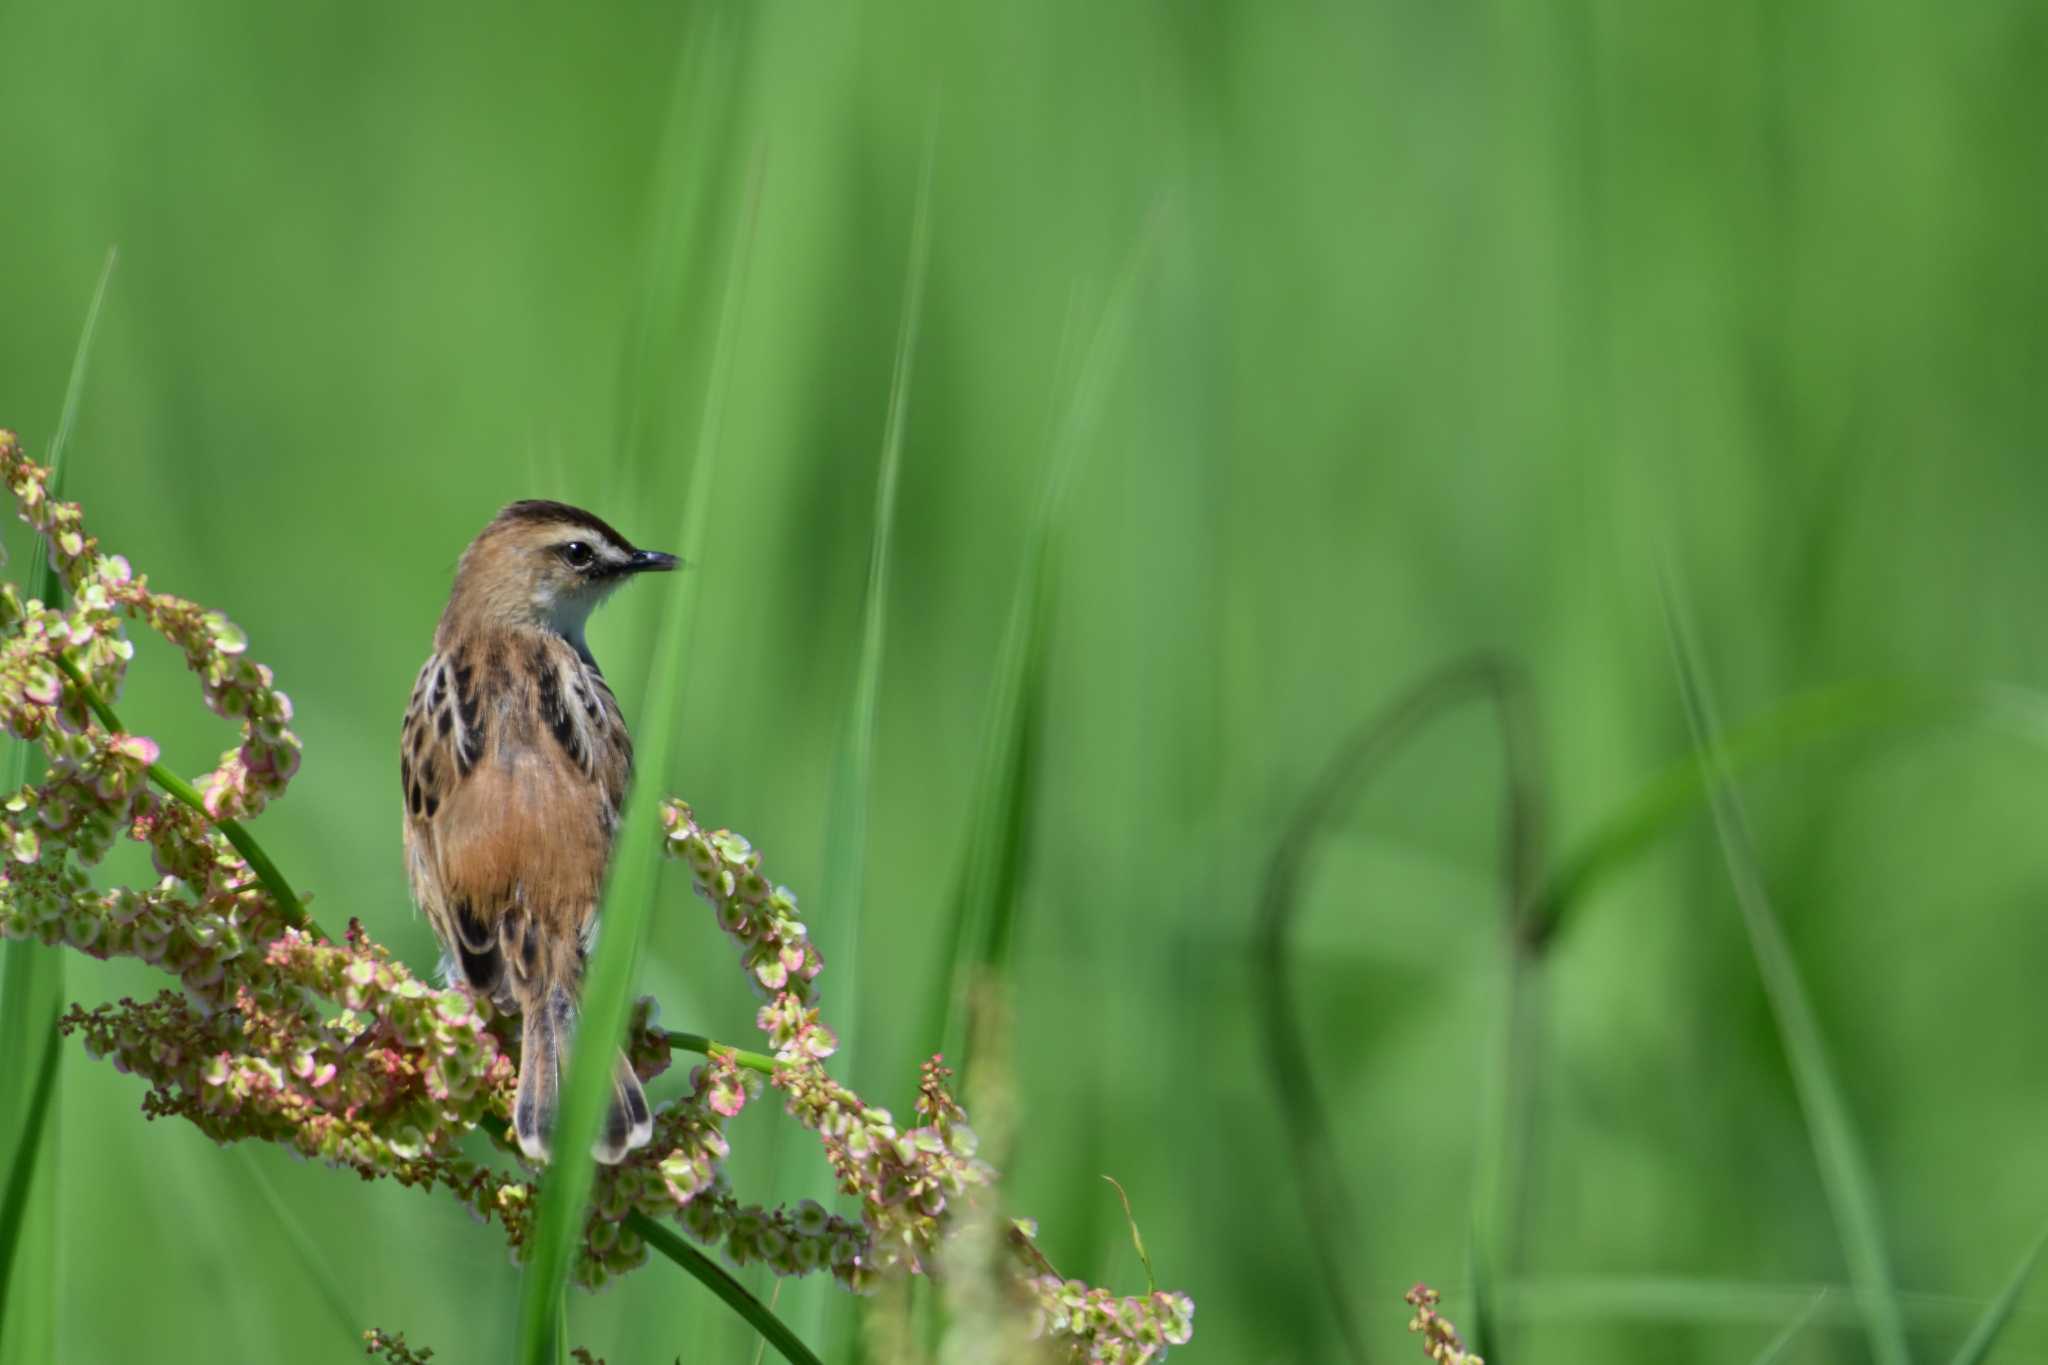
(577, 555)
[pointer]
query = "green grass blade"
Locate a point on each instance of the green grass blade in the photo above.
(761, 1346)
(1683, 787)
(1775, 1349)
(74, 387)
(31, 976)
(715, 1278)
(1850, 1189)
(1704, 1301)
(982, 927)
(843, 890)
(1984, 1335)
(22, 1170)
(1326, 1203)
(1485, 1329)
(629, 889)
(318, 1270)
(845, 869)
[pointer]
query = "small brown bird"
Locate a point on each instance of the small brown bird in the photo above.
(514, 763)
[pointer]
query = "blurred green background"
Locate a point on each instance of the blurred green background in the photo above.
(1450, 327)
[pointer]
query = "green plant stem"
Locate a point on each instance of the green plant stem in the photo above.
(751, 1061)
(714, 1277)
(183, 792)
(14, 1201)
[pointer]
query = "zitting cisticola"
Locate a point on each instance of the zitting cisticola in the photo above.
(515, 762)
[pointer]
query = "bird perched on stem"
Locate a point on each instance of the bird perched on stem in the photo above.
(514, 762)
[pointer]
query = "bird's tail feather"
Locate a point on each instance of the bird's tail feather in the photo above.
(533, 1107)
(628, 1123)
(544, 1034)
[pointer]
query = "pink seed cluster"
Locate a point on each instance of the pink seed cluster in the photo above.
(1440, 1339)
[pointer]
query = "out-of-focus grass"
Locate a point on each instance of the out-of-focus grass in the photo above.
(1998, 1314)
(983, 925)
(1446, 299)
(1775, 1349)
(1838, 1149)
(843, 885)
(629, 889)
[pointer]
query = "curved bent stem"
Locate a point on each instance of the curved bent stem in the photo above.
(1326, 1201)
(714, 1277)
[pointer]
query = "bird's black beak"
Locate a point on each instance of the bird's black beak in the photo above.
(651, 561)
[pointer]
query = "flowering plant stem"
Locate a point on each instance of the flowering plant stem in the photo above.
(183, 792)
(706, 1047)
(714, 1277)
(339, 1052)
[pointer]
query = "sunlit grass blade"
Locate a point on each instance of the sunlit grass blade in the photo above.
(318, 1270)
(983, 923)
(629, 889)
(32, 978)
(1984, 1335)
(1851, 1192)
(716, 1278)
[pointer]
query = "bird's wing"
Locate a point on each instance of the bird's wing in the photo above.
(514, 764)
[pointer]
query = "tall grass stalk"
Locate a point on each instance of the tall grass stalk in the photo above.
(1851, 1192)
(629, 889)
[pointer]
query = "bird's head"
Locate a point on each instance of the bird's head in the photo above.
(544, 564)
